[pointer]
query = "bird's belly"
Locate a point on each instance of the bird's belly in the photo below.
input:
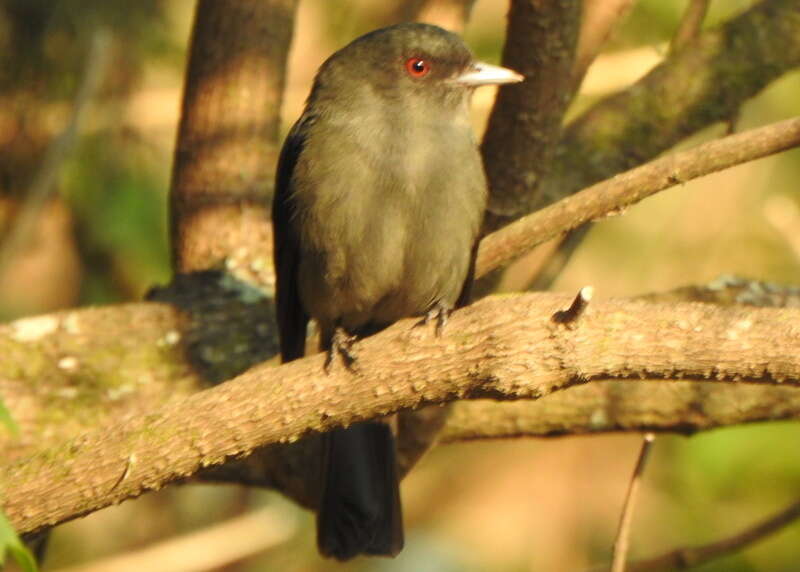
(389, 274)
(394, 237)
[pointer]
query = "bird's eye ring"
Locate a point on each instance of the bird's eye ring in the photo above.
(417, 67)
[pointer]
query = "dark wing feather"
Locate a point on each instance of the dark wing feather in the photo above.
(465, 297)
(292, 318)
(360, 505)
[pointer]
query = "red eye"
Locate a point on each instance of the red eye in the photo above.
(417, 67)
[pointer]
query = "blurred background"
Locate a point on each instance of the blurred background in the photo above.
(553, 505)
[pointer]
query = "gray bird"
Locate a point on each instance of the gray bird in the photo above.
(379, 197)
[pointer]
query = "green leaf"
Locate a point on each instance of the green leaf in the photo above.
(7, 420)
(11, 544)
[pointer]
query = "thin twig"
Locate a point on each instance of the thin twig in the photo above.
(598, 21)
(733, 122)
(57, 151)
(560, 255)
(683, 558)
(690, 24)
(451, 14)
(784, 215)
(613, 195)
(624, 531)
(208, 549)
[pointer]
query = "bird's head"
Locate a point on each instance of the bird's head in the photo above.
(407, 64)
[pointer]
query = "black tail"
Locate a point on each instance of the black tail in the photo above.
(359, 512)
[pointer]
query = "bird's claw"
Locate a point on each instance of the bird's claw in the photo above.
(341, 344)
(439, 312)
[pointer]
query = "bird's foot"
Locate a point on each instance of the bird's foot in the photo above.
(439, 312)
(341, 344)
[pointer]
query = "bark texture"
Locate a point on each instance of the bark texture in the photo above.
(482, 355)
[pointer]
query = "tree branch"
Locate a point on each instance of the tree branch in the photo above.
(695, 87)
(211, 548)
(614, 406)
(690, 24)
(689, 557)
(449, 14)
(482, 355)
(621, 191)
(226, 149)
(622, 542)
(705, 82)
(526, 118)
(42, 185)
(598, 21)
(67, 373)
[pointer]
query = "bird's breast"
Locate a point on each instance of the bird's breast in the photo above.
(387, 223)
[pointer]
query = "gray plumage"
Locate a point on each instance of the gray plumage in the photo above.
(379, 198)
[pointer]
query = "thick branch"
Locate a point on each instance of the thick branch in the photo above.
(66, 373)
(482, 355)
(610, 406)
(526, 118)
(227, 138)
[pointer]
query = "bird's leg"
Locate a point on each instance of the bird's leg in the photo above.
(341, 344)
(440, 312)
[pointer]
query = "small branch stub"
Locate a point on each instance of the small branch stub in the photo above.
(570, 316)
(131, 461)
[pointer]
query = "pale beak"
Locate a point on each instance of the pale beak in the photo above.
(484, 74)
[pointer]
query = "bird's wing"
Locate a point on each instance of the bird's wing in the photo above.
(292, 318)
(465, 297)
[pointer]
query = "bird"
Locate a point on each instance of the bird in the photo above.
(379, 197)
